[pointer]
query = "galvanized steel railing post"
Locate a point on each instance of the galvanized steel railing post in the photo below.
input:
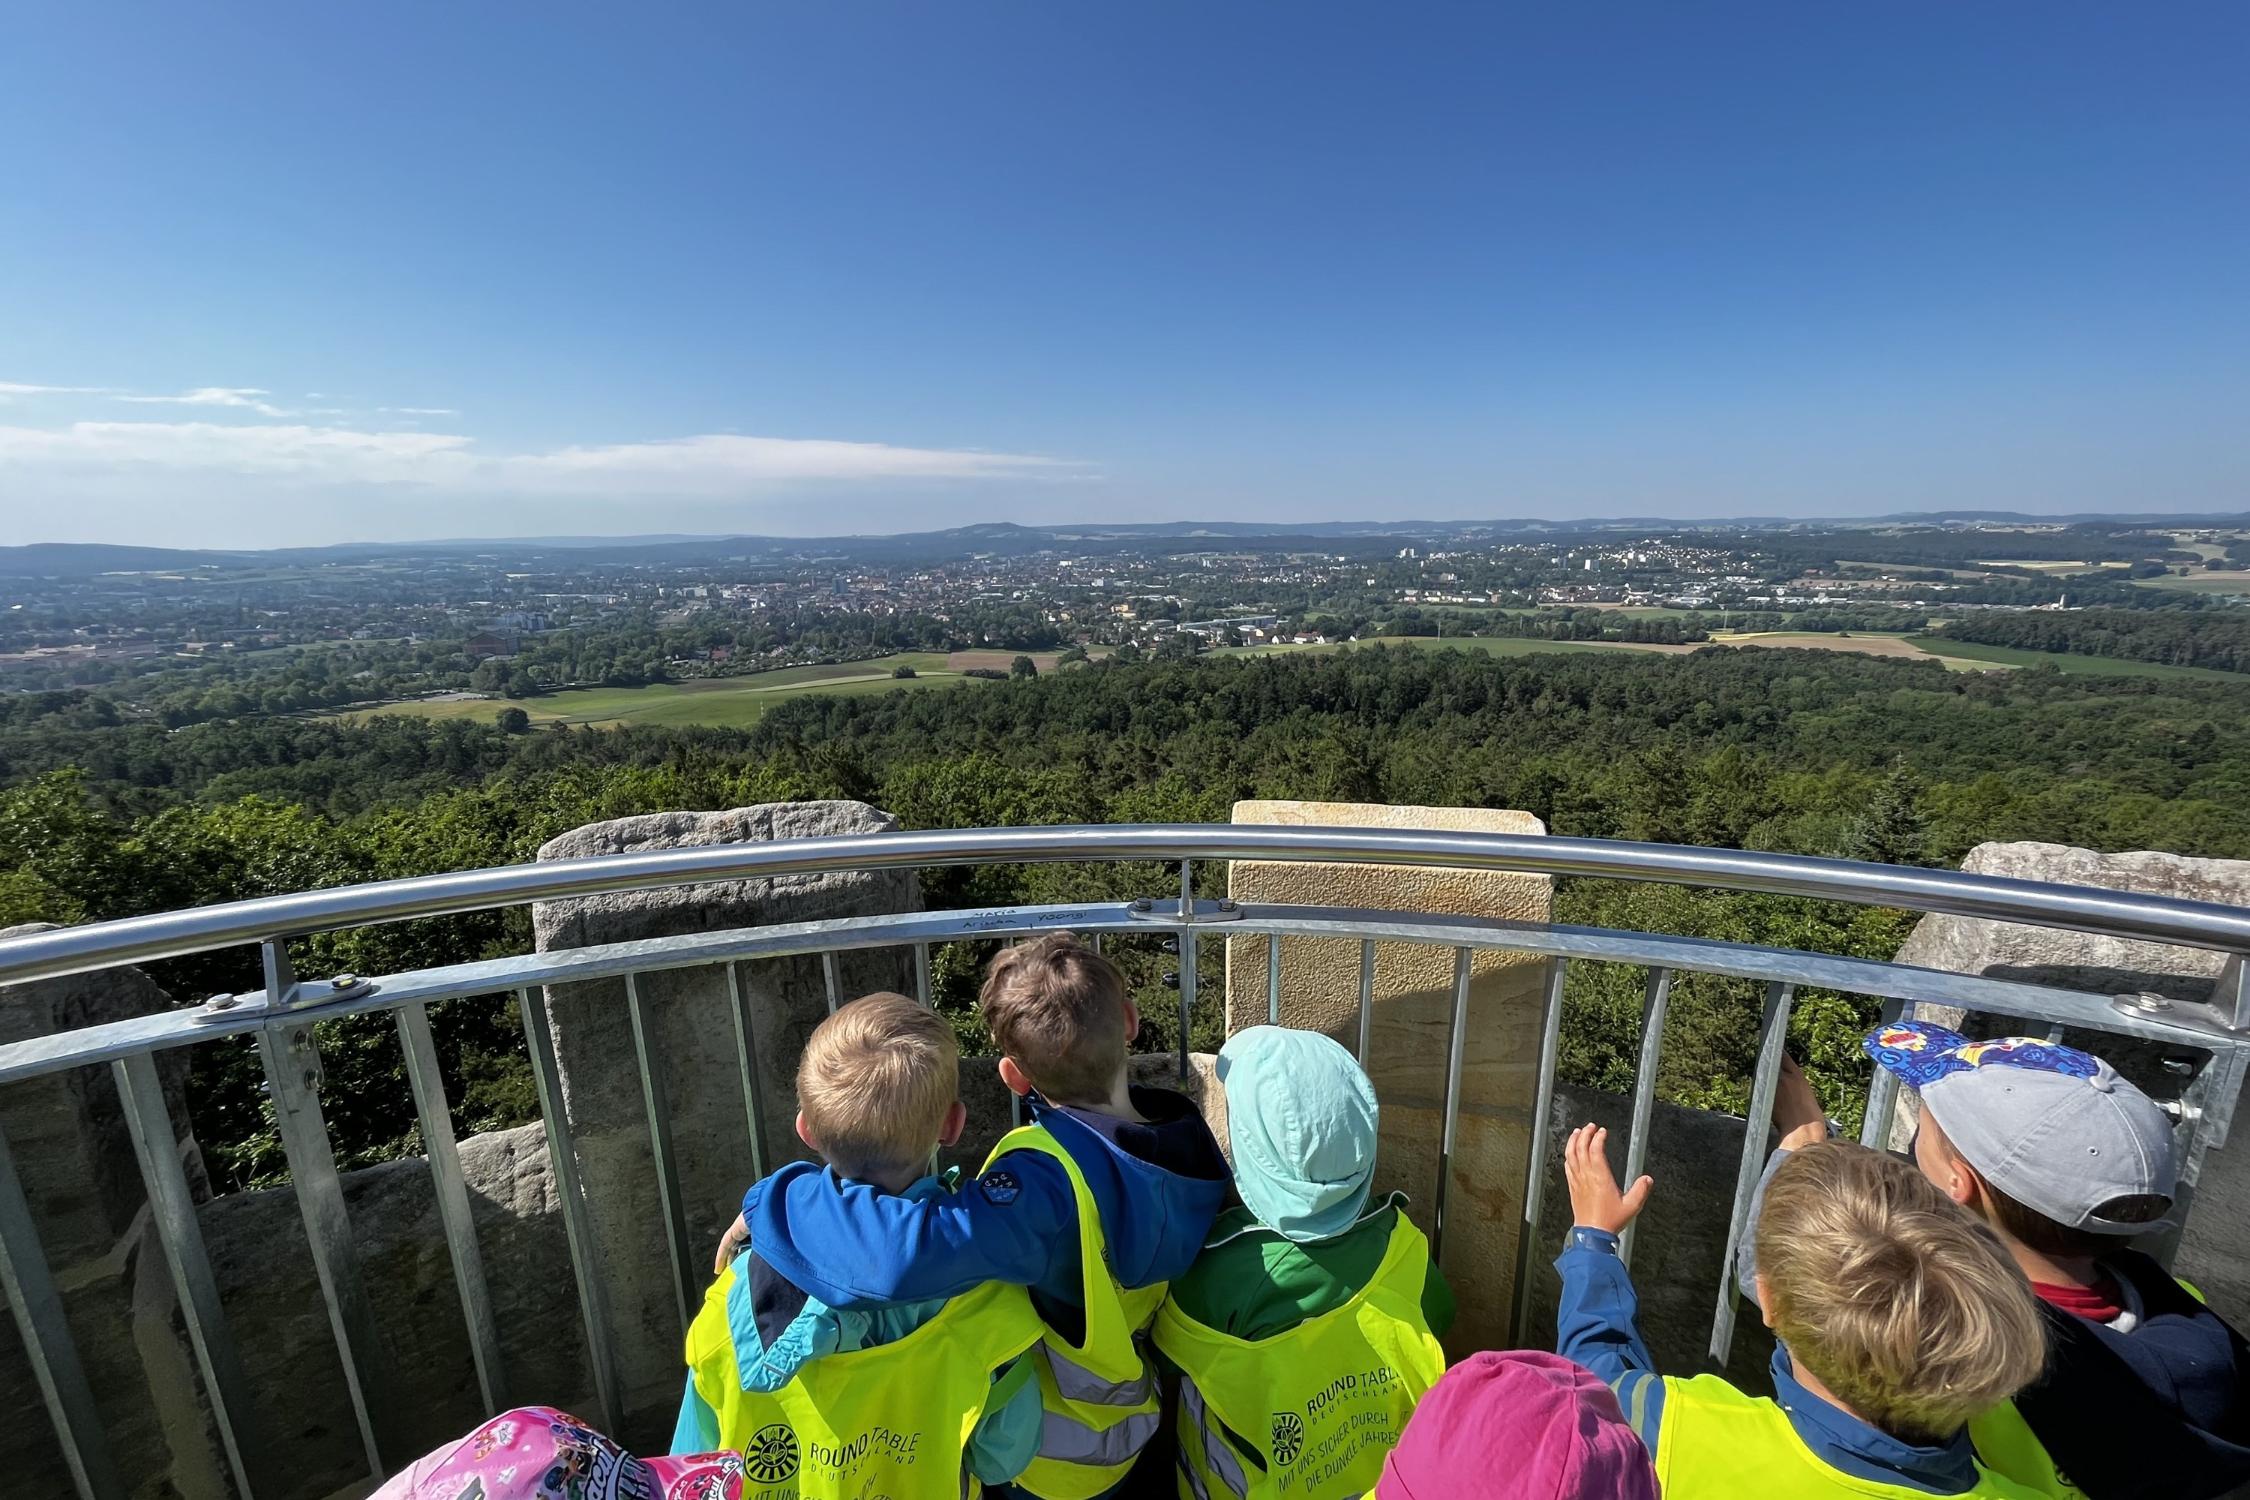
(180, 1234)
(1455, 1049)
(29, 1285)
(1188, 975)
(830, 980)
(1366, 996)
(1773, 1034)
(292, 1061)
(746, 1058)
(1273, 980)
(1653, 1006)
(659, 1108)
(585, 1261)
(1528, 1248)
(1882, 1093)
(435, 1112)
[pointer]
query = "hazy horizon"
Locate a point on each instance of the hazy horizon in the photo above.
(280, 276)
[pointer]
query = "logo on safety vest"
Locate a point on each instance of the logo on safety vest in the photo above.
(1288, 1437)
(771, 1454)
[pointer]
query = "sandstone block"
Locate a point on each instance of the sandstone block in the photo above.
(1412, 1023)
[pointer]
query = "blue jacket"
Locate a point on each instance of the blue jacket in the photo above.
(1157, 1186)
(779, 1328)
(1597, 1326)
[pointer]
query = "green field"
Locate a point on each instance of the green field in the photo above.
(2089, 666)
(719, 701)
(2202, 582)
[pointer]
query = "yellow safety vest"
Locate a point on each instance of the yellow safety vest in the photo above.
(1322, 1405)
(1100, 1395)
(2006, 1445)
(1716, 1442)
(893, 1420)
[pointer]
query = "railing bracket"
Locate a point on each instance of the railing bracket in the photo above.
(1145, 910)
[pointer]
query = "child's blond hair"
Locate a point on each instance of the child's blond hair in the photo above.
(876, 1083)
(1900, 1302)
(1057, 1008)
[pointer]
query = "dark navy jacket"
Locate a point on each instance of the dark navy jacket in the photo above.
(2157, 1413)
(2157, 1408)
(1157, 1186)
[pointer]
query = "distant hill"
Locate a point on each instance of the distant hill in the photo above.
(1010, 539)
(86, 559)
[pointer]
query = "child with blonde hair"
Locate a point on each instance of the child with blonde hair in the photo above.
(1899, 1319)
(919, 1400)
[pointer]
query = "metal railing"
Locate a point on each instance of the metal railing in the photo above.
(281, 1016)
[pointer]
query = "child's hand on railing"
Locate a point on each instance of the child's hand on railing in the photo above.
(1595, 1202)
(1796, 1108)
(730, 1245)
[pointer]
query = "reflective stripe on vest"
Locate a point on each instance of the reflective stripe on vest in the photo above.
(893, 1420)
(1322, 1404)
(1100, 1396)
(1716, 1443)
(1202, 1438)
(1077, 1383)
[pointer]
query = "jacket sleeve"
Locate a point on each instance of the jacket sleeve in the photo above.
(852, 1246)
(697, 1431)
(1438, 1305)
(1597, 1324)
(1006, 1438)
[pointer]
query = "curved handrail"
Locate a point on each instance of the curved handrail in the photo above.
(2124, 914)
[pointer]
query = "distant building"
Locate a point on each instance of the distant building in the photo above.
(487, 643)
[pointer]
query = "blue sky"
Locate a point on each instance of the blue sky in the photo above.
(306, 273)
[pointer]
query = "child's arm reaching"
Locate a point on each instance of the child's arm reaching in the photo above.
(1597, 1320)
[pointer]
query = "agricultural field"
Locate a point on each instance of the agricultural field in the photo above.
(2057, 566)
(721, 701)
(2203, 581)
(1970, 655)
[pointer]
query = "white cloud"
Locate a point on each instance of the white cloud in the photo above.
(246, 397)
(421, 411)
(709, 466)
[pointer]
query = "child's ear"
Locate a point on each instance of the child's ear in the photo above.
(956, 1121)
(804, 1133)
(1013, 1077)
(1132, 1021)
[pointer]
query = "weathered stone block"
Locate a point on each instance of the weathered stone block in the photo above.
(1412, 1025)
(690, 1018)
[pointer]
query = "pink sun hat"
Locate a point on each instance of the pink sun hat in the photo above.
(1518, 1426)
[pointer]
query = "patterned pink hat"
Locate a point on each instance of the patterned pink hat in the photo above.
(538, 1453)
